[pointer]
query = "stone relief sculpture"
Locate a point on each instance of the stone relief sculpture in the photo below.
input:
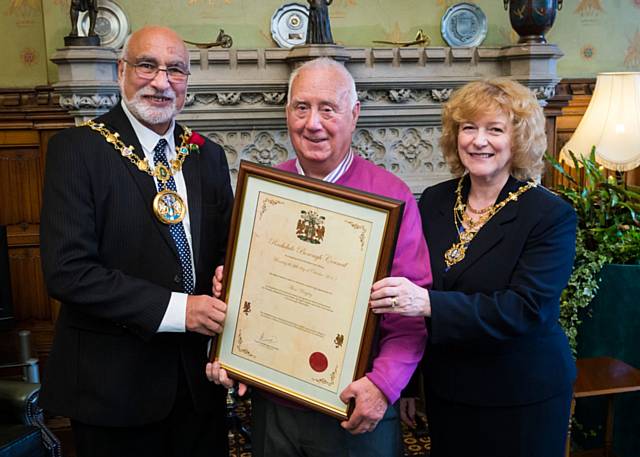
(319, 26)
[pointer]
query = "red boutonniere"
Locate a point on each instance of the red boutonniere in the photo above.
(196, 141)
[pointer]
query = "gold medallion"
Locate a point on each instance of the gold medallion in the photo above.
(455, 254)
(169, 207)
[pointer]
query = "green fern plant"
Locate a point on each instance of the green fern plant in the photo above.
(608, 232)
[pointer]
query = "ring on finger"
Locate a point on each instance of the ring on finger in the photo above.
(394, 302)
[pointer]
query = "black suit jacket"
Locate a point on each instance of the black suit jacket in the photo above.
(113, 266)
(494, 337)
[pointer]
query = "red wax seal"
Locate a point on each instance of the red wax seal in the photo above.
(318, 362)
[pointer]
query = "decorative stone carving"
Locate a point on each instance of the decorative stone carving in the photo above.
(251, 98)
(229, 98)
(404, 95)
(544, 92)
(274, 98)
(265, 147)
(408, 152)
(189, 99)
(235, 98)
(364, 145)
(265, 150)
(96, 101)
(399, 95)
(441, 95)
(411, 146)
(229, 142)
(206, 99)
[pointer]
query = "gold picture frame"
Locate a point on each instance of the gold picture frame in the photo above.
(301, 258)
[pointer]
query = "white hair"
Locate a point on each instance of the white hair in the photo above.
(325, 63)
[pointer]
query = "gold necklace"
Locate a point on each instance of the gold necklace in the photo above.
(457, 251)
(160, 172)
(478, 211)
(168, 205)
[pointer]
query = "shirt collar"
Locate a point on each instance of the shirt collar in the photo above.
(337, 172)
(148, 138)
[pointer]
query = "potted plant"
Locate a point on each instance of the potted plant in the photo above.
(603, 289)
(608, 233)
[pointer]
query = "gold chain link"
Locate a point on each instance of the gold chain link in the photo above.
(160, 172)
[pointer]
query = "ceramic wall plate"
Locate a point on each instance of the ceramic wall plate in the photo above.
(289, 25)
(112, 24)
(464, 25)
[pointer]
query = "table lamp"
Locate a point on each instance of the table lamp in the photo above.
(611, 123)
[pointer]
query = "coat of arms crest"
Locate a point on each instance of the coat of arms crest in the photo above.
(310, 227)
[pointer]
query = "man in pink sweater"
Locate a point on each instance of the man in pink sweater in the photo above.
(322, 112)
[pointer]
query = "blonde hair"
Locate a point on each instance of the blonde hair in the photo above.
(499, 95)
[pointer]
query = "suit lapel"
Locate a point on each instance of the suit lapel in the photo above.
(445, 236)
(117, 121)
(488, 236)
(192, 178)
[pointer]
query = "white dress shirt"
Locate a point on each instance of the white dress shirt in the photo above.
(175, 315)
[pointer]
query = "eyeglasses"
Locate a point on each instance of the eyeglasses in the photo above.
(149, 70)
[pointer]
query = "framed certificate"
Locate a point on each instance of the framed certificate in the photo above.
(301, 259)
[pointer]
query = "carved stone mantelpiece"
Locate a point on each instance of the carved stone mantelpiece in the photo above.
(237, 96)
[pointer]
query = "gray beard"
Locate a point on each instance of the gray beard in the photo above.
(150, 114)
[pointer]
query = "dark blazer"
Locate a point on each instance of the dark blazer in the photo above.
(113, 266)
(494, 337)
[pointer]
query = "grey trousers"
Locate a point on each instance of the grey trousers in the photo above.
(281, 431)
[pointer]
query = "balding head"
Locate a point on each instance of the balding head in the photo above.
(150, 32)
(153, 100)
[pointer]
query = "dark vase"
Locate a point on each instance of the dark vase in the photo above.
(531, 19)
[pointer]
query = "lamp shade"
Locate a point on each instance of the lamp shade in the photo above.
(611, 123)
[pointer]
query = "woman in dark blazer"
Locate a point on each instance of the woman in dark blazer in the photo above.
(498, 369)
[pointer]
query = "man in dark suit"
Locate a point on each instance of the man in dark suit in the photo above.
(134, 221)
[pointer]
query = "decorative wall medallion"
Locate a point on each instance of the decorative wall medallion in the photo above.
(289, 25)
(464, 25)
(112, 24)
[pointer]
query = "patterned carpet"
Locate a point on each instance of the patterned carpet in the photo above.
(416, 442)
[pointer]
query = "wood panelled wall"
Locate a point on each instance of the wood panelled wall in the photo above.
(28, 118)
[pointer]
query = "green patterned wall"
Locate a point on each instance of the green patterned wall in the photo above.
(23, 53)
(595, 35)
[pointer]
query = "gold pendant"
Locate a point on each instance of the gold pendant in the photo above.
(169, 207)
(455, 254)
(162, 173)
